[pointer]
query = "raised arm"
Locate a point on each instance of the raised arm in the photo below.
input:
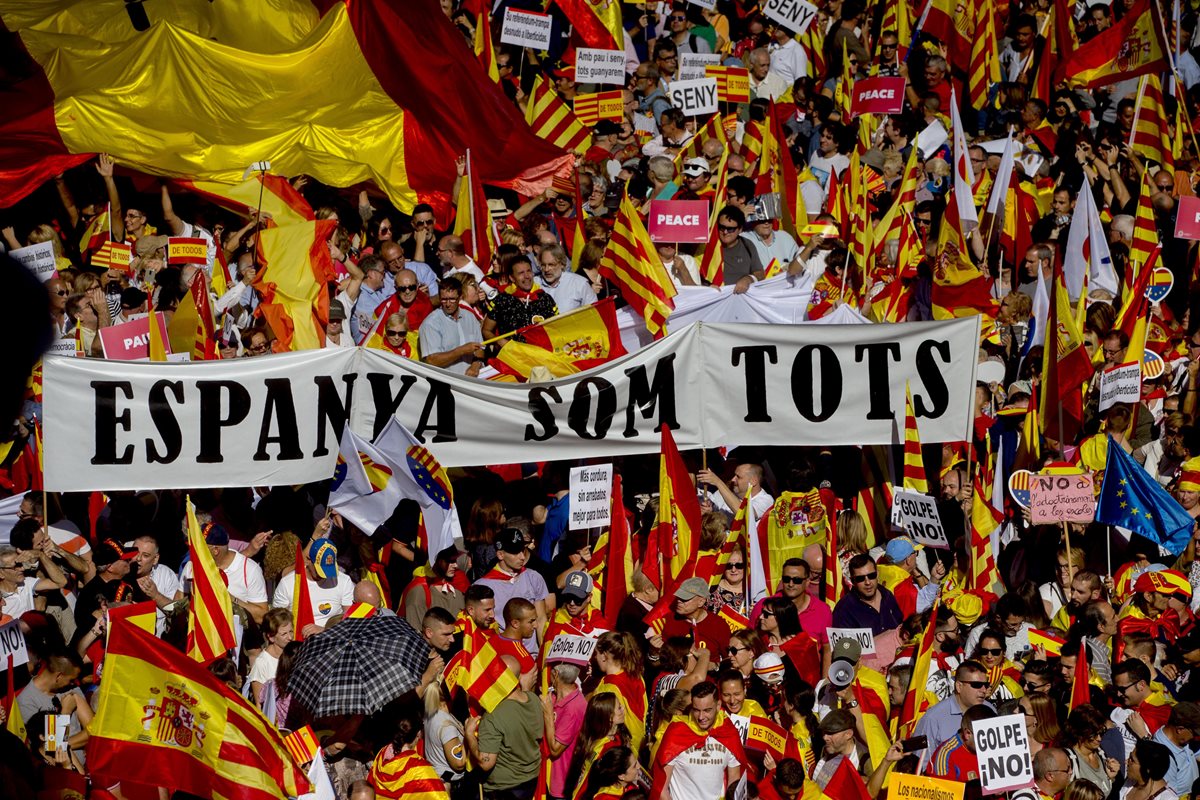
(116, 215)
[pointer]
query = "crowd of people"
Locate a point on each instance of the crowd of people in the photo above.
(1084, 629)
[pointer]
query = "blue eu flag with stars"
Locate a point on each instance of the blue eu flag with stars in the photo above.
(1130, 498)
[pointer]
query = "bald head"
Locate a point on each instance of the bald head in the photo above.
(814, 556)
(367, 592)
(391, 252)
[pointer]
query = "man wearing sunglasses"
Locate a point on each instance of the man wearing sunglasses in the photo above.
(867, 604)
(944, 719)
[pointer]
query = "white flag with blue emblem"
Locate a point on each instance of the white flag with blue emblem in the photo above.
(363, 490)
(420, 477)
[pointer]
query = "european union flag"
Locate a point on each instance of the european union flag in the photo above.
(1131, 499)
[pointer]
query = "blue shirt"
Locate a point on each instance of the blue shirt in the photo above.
(1183, 771)
(853, 612)
(368, 300)
(940, 723)
(441, 333)
(425, 276)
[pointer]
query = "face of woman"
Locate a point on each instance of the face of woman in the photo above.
(991, 652)
(1133, 769)
(767, 623)
(1030, 719)
(618, 715)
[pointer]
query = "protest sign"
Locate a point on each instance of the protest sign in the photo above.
(864, 637)
(600, 66)
(918, 515)
(795, 15)
(741, 723)
(187, 250)
(1002, 746)
(932, 138)
(1187, 217)
(679, 220)
(692, 65)
(694, 98)
(705, 4)
(591, 496)
(765, 736)
(130, 341)
(37, 258)
(1062, 498)
(918, 787)
(12, 643)
(879, 95)
(591, 108)
(525, 29)
(571, 649)
(1018, 487)
(64, 346)
(1161, 281)
(733, 83)
(1120, 384)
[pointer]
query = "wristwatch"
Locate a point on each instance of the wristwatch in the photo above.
(851, 704)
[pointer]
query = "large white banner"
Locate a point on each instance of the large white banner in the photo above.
(276, 419)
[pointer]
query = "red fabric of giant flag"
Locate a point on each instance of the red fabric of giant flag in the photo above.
(294, 269)
(346, 92)
(210, 613)
(1130, 48)
(164, 720)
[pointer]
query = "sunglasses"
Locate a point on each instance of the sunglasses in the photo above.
(411, 287)
(677, 18)
(1030, 686)
(991, 651)
(728, 228)
(790, 580)
(976, 684)
(870, 576)
(733, 651)
(395, 333)
(735, 565)
(422, 223)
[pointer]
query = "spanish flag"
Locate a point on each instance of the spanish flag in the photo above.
(347, 92)
(960, 289)
(472, 220)
(633, 264)
(678, 529)
(481, 674)
(273, 195)
(164, 720)
(302, 610)
(15, 723)
(683, 734)
(597, 25)
(294, 269)
(630, 691)
(96, 234)
(566, 344)
(1080, 694)
(1130, 48)
(210, 613)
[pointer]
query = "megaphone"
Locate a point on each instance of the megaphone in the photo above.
(840, 674)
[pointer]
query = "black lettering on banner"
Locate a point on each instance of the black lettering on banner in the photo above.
(802, 382)
(386, 404)
(930, 373)
(879, 354)
(539, 409)
(279, 408)
(440, 400)
(165, 422)
(580, 412)
(331, 409)
(107, 421)
(651, 396)
(756, 378)
(212, 420)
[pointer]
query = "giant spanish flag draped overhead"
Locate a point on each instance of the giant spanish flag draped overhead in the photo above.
(164, 720)
(344, 90)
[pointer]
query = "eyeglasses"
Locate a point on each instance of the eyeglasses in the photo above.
(733, 651)
(870, 576)
(395, 333)
(886, 46)
(735, 565)
(406, 287)
(422, 223)
(397, 261)
(1123, 689)
(991, 651)
(1030, 686)
(975, 684)
(728, 228)
(677, 18)
(790, 580)
(259, 348)
(61, 292)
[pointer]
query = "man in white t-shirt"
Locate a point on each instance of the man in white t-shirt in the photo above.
(702, 771)
(158, 582)
(17, 589)
(244, 577)
(330, 590)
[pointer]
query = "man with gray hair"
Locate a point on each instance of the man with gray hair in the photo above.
(1051, 774)
(570, 290)
(562, 708)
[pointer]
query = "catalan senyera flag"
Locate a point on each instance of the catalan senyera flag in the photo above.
(678, 528)
(294, 269)
(1149, 137)
(916, 700)
(552, 120)
(598, 25)
(1145, 247)
(187, 250)
(985, 55)
(566, 344)
(97, 232)
(733, 83)
(165, 720)
(1130, 48)
(210, 614)
(112, 255)
(302, 610)
(914, 466)
(985, 576)
(481, 674)
(344, 92)
(591, 108)
(813, 42)
(633, 264)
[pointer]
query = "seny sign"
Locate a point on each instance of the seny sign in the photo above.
(1002, 746)
(679, 220)
(795, 15)
(694, 98)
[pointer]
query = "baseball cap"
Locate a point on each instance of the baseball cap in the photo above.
(337, 311)
(1167, 581)
(769, 667)
(565, 71)
(691, 589)
(323, 555)
(901, 548)
(578, 586)
(696, 166)
(847, 650)
(110, 551)
(837, 720)
(606, 127)
(510, 540)
(215, 534)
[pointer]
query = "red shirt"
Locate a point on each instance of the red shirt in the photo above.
(711, 632)
(514, 648)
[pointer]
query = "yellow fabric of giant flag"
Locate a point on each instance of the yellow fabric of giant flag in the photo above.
(239, 91)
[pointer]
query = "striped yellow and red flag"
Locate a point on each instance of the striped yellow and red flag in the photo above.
(985, 519)
(113, 255)
(916, 699)
(1149, 137)
(274, 195)
(632, 263)
(834, 583)
(481, 674)
(985, 55)
(360, 611)
(914, 466)
(552, 120)
(302, 610)
(713, 129)
(294, 270)
(591, 108)
(754, 142)
(302, 744)
(164, 720)
(187, 250)
(210, 614)
(1145, 247)
(1131, 48)
(813, 42)
(597, 25)
(344, 92)
(897, 18)
(485, 51)
(678, 528)
(405, 776)
(733, 83)
(570, 343)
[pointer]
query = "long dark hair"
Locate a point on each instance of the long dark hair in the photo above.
(597, 721)
(607, 769)
(283, 672)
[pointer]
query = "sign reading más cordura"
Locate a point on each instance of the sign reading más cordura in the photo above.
(276, 419)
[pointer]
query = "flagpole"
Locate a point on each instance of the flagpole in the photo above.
(1067, 534)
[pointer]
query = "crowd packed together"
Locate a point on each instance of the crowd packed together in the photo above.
(1017, 180)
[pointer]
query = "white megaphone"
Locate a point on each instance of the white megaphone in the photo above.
(840, 674)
